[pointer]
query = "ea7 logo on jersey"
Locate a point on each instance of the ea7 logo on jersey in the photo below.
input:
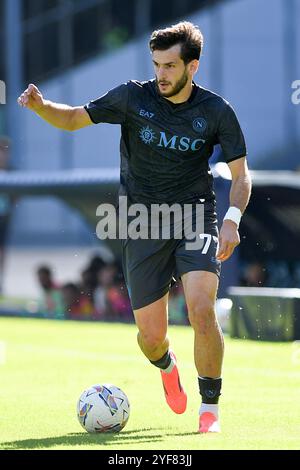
(146, 114)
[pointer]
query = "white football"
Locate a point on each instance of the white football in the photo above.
(103, 408)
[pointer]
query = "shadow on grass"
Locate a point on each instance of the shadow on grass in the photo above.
(195, 433)
(137, 436)
(79, 439)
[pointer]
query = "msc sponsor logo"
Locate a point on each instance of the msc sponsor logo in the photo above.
(180, 143)
(173, 142)
(147, 135)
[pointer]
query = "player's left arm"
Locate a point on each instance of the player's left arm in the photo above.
(239, 197)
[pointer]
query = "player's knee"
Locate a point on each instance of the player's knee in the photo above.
(151, 341)
(202, 313)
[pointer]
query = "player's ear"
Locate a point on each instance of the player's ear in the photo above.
(193, 65)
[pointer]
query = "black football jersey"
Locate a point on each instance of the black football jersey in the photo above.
(165, 148)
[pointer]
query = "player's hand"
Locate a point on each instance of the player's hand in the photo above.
(31, 98)
(229, 238)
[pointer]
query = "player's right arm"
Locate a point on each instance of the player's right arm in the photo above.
(58, 115)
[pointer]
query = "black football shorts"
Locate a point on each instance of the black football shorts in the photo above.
(149, 265)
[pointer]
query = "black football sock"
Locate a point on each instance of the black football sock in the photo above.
(164, 362)
(210, 389)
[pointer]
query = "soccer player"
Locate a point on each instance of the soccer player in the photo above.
(169, 128)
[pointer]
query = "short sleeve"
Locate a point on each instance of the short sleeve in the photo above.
(110, 107)
(230, 135)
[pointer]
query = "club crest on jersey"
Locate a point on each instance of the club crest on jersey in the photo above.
(199, 125)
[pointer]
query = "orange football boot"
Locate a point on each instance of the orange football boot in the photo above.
(174, 392)
(208, 422)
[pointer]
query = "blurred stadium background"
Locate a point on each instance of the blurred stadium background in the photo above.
(51, 181)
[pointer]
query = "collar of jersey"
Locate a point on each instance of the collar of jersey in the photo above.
(166, 102)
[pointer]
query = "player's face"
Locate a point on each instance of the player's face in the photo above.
(171, 73)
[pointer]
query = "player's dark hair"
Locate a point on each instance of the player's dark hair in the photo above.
(185, 33)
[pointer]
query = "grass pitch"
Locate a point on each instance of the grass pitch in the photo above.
(45, 365)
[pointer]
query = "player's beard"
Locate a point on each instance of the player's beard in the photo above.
(179, 85)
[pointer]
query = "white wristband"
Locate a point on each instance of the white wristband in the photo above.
(233, 214)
